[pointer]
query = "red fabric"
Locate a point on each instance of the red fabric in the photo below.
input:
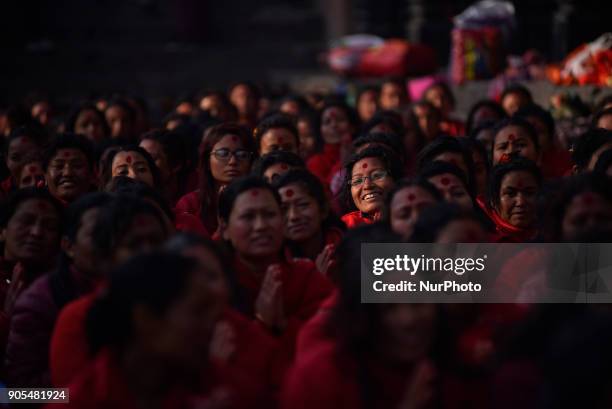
(304, 289)
(329, 379)
(255, 352)
(6, 186)
(69, 352)
(313, 334)
(333, 235)
(191, 203)
(556, 163)
(355, 219)
(453, 127)
(323, 164)
(507, 233)
(186, 222)
(103, 385)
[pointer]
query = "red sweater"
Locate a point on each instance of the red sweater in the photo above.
(323, 163)
(191, 203)
(103, 385)
(304, 289)
(356, 219)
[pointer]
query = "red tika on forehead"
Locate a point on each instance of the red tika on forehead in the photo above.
(32, 168)
(234, 139)
(129, 159)
(445, 181)
(66, 154)
(284, 166)
(364, 166)
(254, 192)
(289, 192)
(511, 137)
(411, 197)
(281, 139)
(520, 184)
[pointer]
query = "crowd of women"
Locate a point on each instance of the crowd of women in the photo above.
(212, 260)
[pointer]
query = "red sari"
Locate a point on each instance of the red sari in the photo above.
(304, 289)
(103, 385)
(356, 219)
(507, 233)
(323, 164)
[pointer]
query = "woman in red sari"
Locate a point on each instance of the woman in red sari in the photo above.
(513, 194)
(280, 293)
(311, 228)
(370, 175)
(226, 153)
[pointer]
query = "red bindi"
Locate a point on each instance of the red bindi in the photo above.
(281, 139)
(32, 168)
(289, 193)
(365, 165)
(254, 192)
(284, 166)
(445, 181)
(129, 159)
(411, 197)
(234, 139)
(66, 154)
(511, 137)
(519, 185)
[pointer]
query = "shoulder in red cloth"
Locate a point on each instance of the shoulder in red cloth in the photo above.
(355, 219)
(322, 164)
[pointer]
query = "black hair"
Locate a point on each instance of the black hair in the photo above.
(272, 158)
(228, 197)
(364, 89)
(444, 144)
(85, 106)
(520, 122)
(474, 145)
(600, 114)
(587, 182)
(34, 131)
(123, 104)
(390, 140)
(172, 142)
(116, 218)
(501, 170)
(18, 197)
(435, 218)
(351, 114)
(70, 141)
(438, 167)
(445, 89)
(183, 241)
(127, 185)
(276, 120)
(156, 280)
(484, 125)
(604, 162)
(516, 89)
(405, 183)
(483, 103)
(106, 171)
(587, 144)
(391, 119)
(391, 162)
(75, 211)
(534, 110)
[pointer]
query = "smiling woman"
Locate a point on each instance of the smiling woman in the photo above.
(370, 175)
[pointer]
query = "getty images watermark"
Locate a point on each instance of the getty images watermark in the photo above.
(486, 273)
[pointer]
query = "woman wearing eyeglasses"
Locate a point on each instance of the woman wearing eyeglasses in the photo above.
(370, 175)
(226, 153)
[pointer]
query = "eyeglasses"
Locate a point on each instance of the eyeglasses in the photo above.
(374, 177)
(225, 154)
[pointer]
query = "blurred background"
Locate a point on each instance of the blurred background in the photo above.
(163, 47)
